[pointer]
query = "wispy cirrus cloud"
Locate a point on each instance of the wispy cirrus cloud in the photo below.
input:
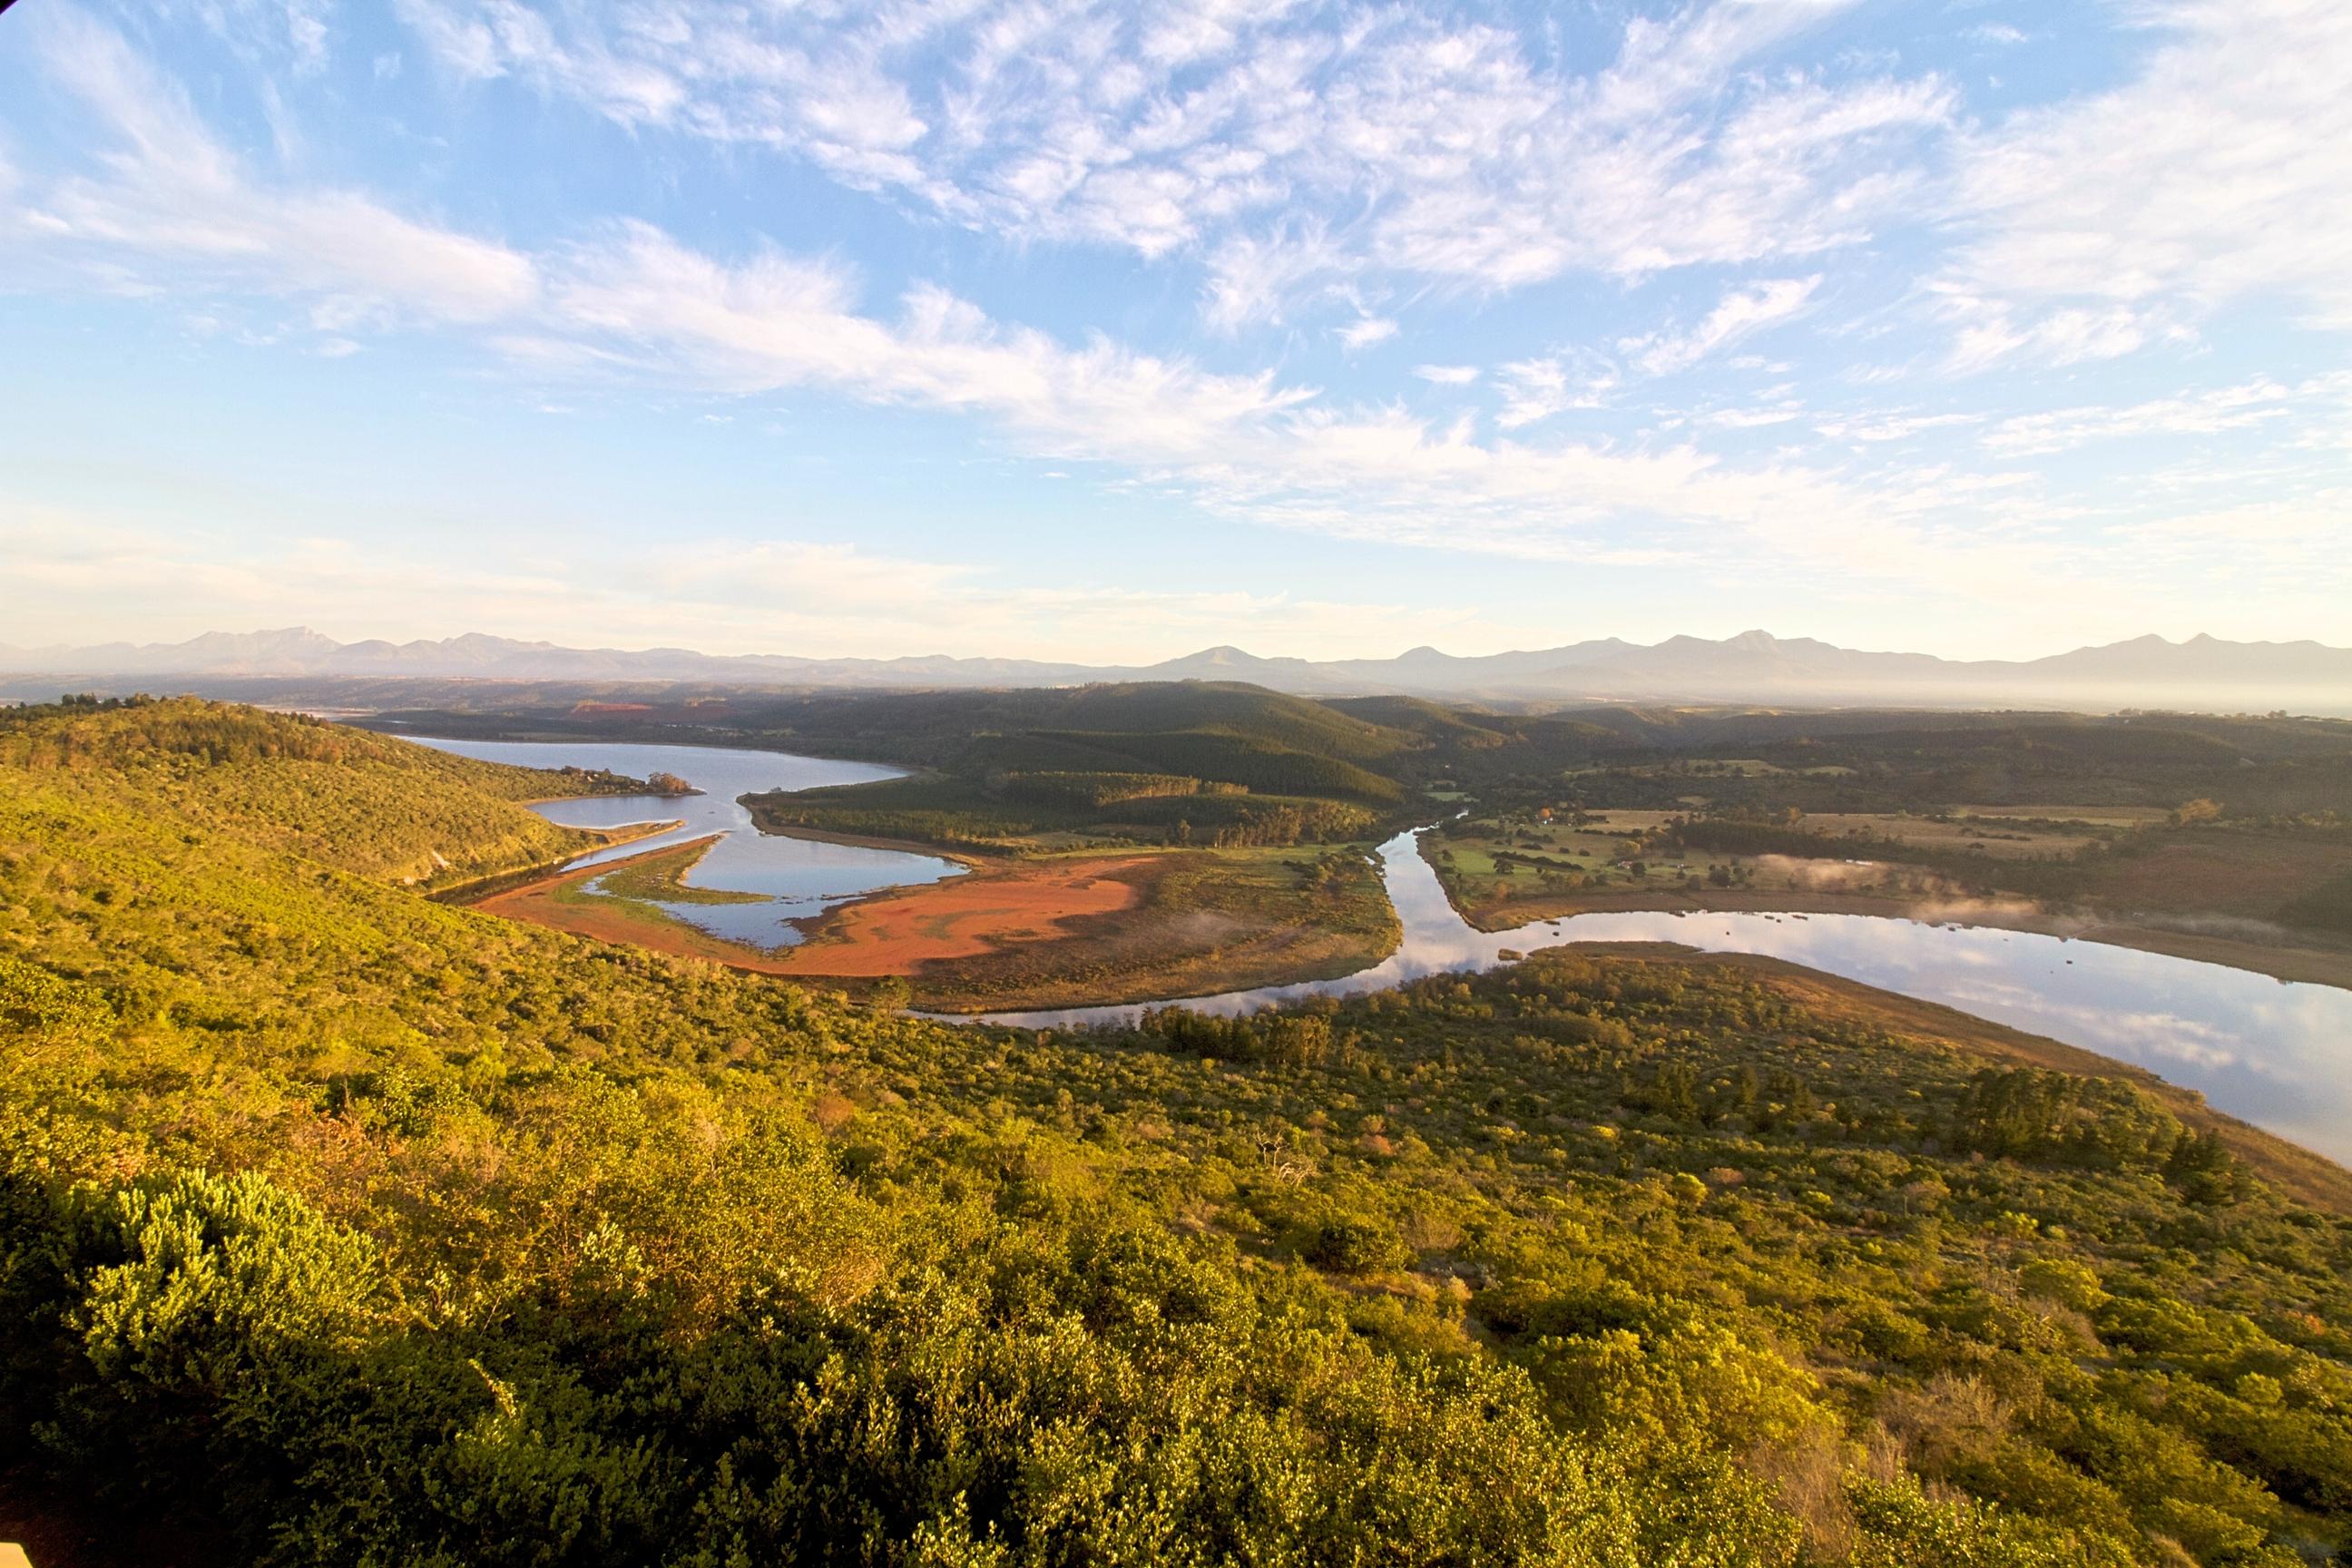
(2220, 171)
(2210, 413)
(1455, 157)
(165, 190)
(1740, 314)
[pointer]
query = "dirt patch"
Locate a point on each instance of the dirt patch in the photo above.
(982, 912)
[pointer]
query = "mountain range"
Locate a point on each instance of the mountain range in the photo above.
(1753, 666)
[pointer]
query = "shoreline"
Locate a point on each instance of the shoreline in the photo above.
(534, 899)
(468, 893)
(2307, 1173)
(2301, 964)
(618, 925)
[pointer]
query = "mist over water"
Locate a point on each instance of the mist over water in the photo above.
(2275, 1053)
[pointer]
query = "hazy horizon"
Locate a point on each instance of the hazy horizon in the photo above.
(1107, 655)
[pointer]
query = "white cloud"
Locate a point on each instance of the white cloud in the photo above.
(1439, 151)
(1989, 332)
(2219, 171)
(1751, 418)
(2208, 413)
(1536, 389)
(779, 321)
(168, 189)
(1447, 374)
(1365, 331)
(1741, 314)
(1889, 427)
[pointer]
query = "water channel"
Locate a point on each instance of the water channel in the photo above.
(2276, 1053)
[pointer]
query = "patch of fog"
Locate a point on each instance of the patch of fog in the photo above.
(2234, 928)
(1826, 876)
(2276, 1053)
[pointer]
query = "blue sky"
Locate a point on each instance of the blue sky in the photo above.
(1061, 330)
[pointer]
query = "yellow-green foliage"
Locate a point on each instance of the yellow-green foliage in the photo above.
(359, 801)
(337, 1226)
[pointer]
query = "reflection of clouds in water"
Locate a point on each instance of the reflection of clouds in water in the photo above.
(2132, 1035)
(800, 877)
(2279, 1054)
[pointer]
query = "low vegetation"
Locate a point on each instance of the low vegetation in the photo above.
(344, 1227)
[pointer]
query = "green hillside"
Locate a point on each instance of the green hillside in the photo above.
(342, 1227)
(358, 802)
(1239, 765)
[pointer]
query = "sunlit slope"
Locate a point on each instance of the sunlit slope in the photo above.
(338, 1225)
(366, 803)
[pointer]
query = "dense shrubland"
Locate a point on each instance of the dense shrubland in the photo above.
(338, 1225)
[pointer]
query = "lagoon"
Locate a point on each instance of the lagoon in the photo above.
(798, 878)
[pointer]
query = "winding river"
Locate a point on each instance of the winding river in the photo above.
(2276, 1053)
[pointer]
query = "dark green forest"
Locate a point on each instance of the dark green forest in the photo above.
(340, 1225)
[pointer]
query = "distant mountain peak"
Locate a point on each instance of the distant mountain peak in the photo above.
(1754, 666)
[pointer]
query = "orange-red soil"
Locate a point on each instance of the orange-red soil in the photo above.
(982, 911)
(979, 912)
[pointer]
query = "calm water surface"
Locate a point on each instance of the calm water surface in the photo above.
(2277, 1054)
(798, 878)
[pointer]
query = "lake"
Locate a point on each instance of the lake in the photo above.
(2275, 1053)
(798, 878)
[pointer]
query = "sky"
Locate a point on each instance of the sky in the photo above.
(1986, 328)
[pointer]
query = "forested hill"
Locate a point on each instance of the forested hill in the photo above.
(358, 802)
(338, 1225)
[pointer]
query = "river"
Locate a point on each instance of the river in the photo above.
(2275, 1053)
(796, 877)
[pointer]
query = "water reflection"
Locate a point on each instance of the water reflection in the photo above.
(796, 877)
(2275, 1053)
